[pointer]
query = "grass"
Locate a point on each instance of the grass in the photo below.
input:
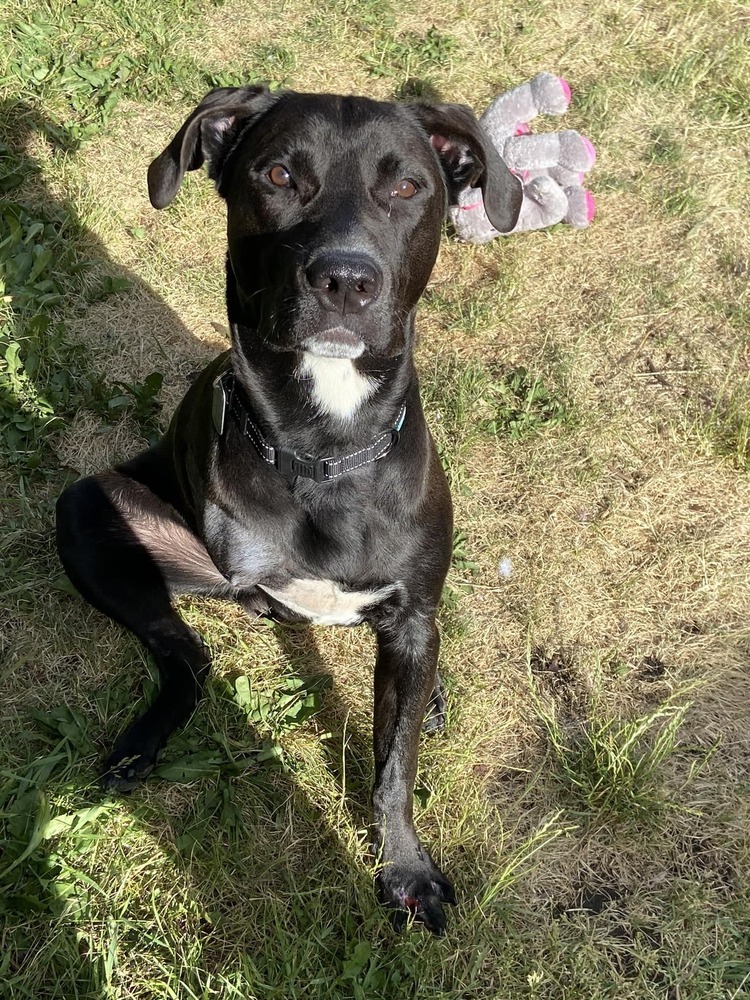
(611, 769)
(588, 394)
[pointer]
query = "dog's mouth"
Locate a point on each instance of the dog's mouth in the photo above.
(337, 342)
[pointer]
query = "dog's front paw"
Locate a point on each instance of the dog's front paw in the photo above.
(416, 890)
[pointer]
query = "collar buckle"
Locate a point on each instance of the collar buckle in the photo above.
(290, 463)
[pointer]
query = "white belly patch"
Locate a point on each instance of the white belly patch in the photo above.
(325, 603)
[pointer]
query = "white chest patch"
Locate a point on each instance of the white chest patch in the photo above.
(337, 388)
(325, 603)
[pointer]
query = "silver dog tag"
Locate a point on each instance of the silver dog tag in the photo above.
(220, 404)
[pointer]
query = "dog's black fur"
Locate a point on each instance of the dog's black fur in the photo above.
(335, 208)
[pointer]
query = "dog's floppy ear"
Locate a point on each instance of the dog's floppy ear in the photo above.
(202, 137)
(469, 159)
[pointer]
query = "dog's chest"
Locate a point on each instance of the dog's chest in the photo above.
(264, 557)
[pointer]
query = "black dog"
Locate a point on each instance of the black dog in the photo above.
(298, 477)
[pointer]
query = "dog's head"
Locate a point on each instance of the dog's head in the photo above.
(335, 208)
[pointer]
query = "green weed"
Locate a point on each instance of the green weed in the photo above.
(292, 701)
(35, 362)
(463, 567)
(140, 400)
(523, 406)
(410, 56)
(44, 376)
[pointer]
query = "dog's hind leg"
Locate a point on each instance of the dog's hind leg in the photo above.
(128, 552)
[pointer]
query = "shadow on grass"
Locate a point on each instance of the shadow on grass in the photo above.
(55, 271)
(263, 885)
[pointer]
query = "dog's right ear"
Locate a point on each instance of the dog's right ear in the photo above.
(204, 135)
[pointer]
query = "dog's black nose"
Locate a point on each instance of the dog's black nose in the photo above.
(344, 283)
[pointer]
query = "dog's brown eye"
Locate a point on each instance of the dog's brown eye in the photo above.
(280, 176)
(404, 189)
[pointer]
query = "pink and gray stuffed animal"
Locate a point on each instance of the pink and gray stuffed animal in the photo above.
(551, 166)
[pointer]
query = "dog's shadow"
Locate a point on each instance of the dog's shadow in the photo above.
(91, 368)
(272, 835)
(249, 847)
(347, 752)
(46, 246)
(212, 836)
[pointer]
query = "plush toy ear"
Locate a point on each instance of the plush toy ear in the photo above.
(204, 135)
(469, 159)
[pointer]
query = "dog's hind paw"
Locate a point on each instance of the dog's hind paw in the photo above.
(437, 707)
(416, 895)
(124, 771)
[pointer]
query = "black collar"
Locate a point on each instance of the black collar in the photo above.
(230, 397)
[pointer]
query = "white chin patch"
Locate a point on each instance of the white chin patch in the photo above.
(336, 387)
(335, 343)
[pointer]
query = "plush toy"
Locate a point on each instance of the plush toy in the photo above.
(552, 165)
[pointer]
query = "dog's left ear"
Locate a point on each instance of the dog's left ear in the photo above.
(204, 136)
(469, 159)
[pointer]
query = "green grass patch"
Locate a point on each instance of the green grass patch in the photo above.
(608, 769)
(468, 401)
(412, 55)
(664, 148)
(44, 378)
(726, 426)
(681, 199)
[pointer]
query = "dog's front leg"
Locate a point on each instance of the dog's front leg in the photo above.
(405, 673)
